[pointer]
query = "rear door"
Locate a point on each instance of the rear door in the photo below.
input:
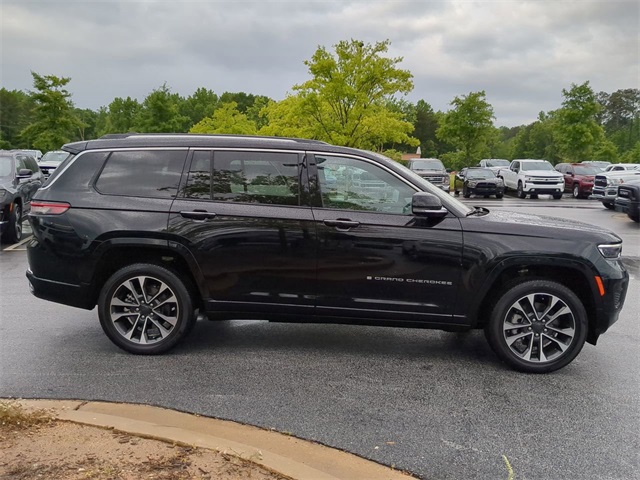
(245, 217)
(375, 259)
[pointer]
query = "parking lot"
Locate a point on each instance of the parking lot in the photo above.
(439, 405)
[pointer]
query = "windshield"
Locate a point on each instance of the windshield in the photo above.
(6, 167)
(54, 157)
(431, 164)
(537, 165)
(480, 174)
(498, 163)
(582, 170)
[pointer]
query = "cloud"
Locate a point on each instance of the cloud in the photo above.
(522, 53)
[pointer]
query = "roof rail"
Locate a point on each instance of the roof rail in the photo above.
(191, 135)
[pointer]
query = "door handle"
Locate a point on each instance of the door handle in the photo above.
(197, 214)
(341, 223)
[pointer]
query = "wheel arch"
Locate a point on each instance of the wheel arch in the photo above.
(573, 275)
(114, 255)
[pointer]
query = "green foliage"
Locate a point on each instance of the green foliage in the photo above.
(226, 119)
(576, 131)
(632, 156)
(122, 115)
(349, 92)
(160, 113)
(536, 140)
(286, 119)
(201, 104)
(54, 122)
(469, 125)
(15, 114)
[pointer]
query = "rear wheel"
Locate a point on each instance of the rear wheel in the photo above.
(537, 326)
(145, 309)
(13, 233)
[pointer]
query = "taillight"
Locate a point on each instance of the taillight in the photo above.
(48, 208)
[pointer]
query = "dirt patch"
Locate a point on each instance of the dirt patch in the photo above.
(62, 450)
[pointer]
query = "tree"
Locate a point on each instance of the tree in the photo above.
(537, 140)
(122, 115)
(201, 104)
(226, 119)
(54, 122)
(15, 114)
(160, 113)
(468, 126)
(576, 130)
(348, 91)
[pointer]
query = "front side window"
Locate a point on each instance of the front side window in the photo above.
(354, 184)
(256, 177)
(142, 173)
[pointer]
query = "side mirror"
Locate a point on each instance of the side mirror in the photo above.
(424, 204)
(24, 173)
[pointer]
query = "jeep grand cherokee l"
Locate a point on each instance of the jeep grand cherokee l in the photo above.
(158, 229)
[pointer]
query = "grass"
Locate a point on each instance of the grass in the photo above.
(14, 416)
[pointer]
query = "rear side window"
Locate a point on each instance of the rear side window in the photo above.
(245, 177)
(143, 173)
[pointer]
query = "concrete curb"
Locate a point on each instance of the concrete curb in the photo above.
(287, 455)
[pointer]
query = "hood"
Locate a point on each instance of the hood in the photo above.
(542, 173)
(541, 226)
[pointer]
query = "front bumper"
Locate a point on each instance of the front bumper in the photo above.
(543, 189)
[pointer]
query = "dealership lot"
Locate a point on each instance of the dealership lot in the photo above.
(437, 404)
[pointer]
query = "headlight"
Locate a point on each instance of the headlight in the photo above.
(615, 181)
(612, 250)
(3, 192)
(528, 179)
(472, 183)
(499, 181)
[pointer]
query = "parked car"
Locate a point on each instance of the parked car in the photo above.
(628, 199)
(20, 177)
(494, 164)
(432, 170)
(532, 177)
(601, 165)
(478, 181)
(158, 229)
(620, 167)
(578, 178)
(605, 185)
(51, 160)
(37, 154)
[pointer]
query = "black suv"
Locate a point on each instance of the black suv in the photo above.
(20, 177)
(159, 229)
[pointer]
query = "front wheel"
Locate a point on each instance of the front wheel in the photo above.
(576, 191)
(521, 192)
(537, 326)
(13, 233)
(145, 309)
(608, 205)
(557, 196)
(465, 192)
(499, 195)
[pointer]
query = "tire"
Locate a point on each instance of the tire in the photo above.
(533, 195)
(145, 309)
(13, 233)
(557, 196)
(576, 191)
(521, 192)
(608, 205)
(634, 216)
(548, 341)
(499, 195)
(465, 192)
(456, 193)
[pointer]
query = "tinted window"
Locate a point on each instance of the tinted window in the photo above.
(144, 173)
(480, 174)
(199, 176)
(353, 184)
(430, 164)
(256, 177)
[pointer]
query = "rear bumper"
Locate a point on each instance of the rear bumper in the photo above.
(67, 294)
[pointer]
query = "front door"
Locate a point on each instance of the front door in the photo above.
(375, 259)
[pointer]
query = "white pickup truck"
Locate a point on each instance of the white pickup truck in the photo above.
(532, 177)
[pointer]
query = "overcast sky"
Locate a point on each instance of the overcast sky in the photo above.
(522, 53)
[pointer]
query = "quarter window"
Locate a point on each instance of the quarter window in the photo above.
(353, 184)
(144, 173)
